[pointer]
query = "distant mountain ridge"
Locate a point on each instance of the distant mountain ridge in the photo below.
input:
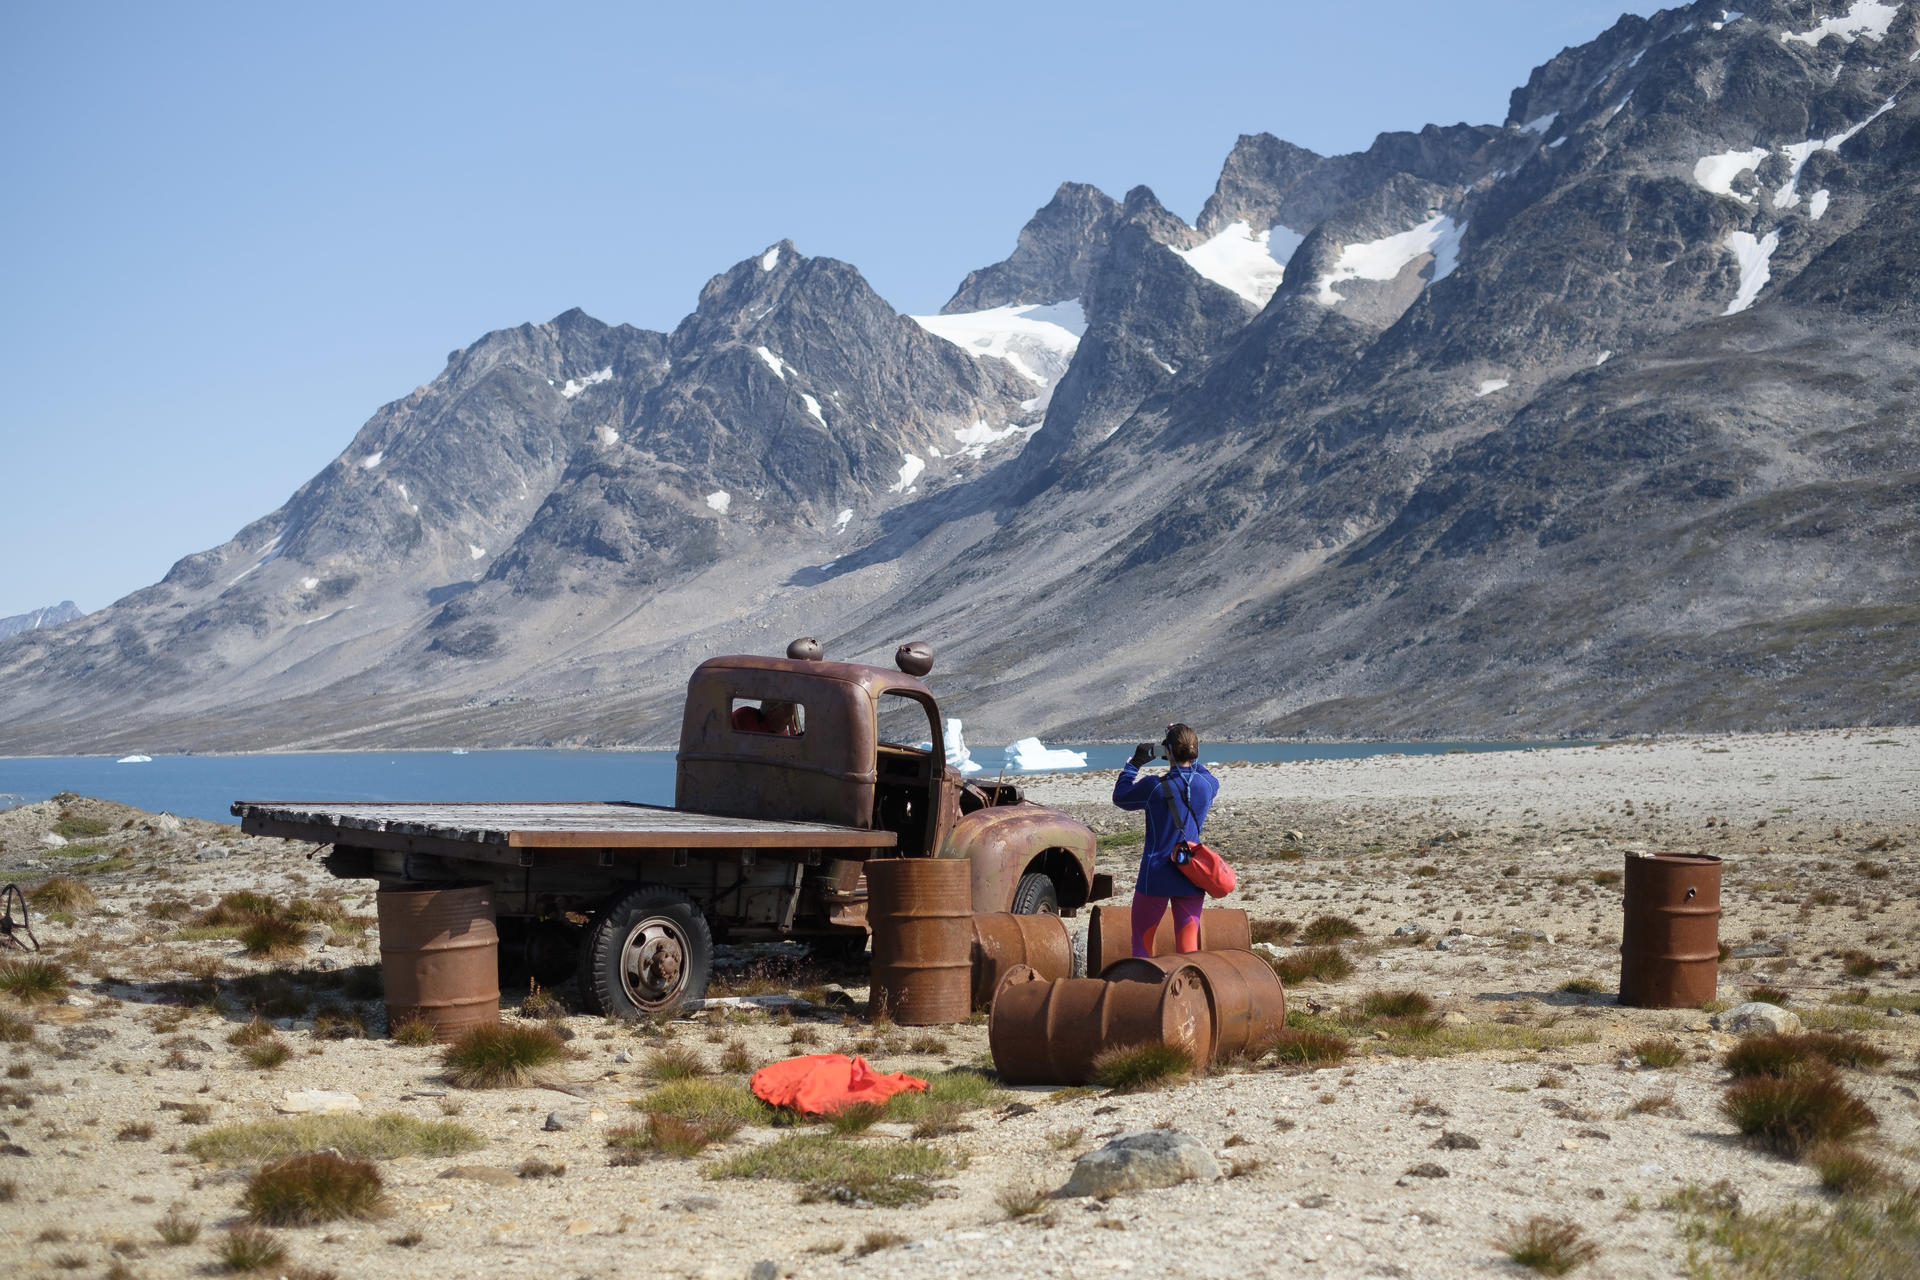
(51, 616)
(1594, 421)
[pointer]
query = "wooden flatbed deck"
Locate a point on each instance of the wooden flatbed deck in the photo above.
(538, 825)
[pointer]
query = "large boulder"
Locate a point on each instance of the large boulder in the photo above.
(1757, 1017)
(1141, 1162)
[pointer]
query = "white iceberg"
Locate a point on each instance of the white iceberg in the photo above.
(1030, 754)
(134, 760)
(957, 754)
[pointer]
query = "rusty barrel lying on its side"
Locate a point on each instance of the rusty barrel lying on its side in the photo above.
(921, 913)
(440, 957)
(1110, 934)
(1002, 940)
(1670, 934)
(1045, 1032)
(1244, 995)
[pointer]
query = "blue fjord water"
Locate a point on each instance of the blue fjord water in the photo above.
(203, 786)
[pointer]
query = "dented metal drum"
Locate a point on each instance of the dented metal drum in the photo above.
(440, 957)
(1110, 934)
(1670, 935)
(921, 913)
(1002, 940)
(1045, 1032)
(1244, 995)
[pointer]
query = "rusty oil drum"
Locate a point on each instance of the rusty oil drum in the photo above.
(921, 913)
(440, 957)
(1670, 937)
(1110, 934)
(1045, 1032)
(1002, 940)
(1244, 995)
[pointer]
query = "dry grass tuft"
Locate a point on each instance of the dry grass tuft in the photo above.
(1551, 1246)
(1784, 1055)
(676, 1062)
(1297, 1048)
(14, 1029)
(175, 1230)
(535, 1167)
(841, 1171)
(1276, 932)
(61, 893)
(736, 1058)
(1768, 995)
(270, 939)
(248, 1249)
(1395, 1004)
(1846, 1170)
(32, 981)
(377, 1137)
(1144, 1066)
(1789, 1114)
(268, 1055)
(1325, 929)
(875, 1241)
(1020, 1200)
(501, 1057)
(1322, 964)
(303, 1191)
(414, 1031)
(1659, 1052)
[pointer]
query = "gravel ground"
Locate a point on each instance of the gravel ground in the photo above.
(1817, 830)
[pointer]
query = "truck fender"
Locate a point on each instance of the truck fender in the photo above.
(1008, 841)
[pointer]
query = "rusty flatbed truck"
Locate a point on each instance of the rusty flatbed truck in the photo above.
(767, 836)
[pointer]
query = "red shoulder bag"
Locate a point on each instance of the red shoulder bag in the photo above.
(1200, 863)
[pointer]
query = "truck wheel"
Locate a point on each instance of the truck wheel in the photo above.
(650, 952)
(1036, 896)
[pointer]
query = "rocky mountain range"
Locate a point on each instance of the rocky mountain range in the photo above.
(1599, 420)
(51, 616)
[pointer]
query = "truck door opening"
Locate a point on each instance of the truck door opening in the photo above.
(907, 772)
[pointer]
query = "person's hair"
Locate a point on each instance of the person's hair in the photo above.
(1182, 743)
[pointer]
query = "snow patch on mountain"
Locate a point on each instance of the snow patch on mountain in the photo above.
(476, 552)
(1865, 18)
(576, 385)
(1540, 124)
(607, 434)
(1753, 255)
(1800, 152)
(1717, 172)
(813, 407)
(720, 500)
(1817, 204)
(770, 259)
(1387, 257)
(1038, 341)
(910, 470)
(372, 460)
(773, 362)
(977, 438)
(841, 521)
(1237, 259)
(1492, 385)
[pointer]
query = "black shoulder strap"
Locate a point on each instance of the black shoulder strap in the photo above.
(1173, 798)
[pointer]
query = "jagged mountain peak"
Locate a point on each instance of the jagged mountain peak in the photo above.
(1053, 260)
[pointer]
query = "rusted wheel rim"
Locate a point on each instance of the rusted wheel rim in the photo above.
(653, 962)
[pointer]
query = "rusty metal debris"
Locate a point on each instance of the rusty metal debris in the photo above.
(1670, 935)
(12, 930)
(1002, 940)
(1110, 934)
(1244, 995)
(440, 957)
(1050, 1032)
(921, 911)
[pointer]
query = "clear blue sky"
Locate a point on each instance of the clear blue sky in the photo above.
(234, 231)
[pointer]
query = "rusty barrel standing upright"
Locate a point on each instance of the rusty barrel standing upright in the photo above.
(1670, 937)
(921, 912)
(1002, 940)
(440, 957)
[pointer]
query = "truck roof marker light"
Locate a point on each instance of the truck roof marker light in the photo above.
(915, 658)
(805, 649)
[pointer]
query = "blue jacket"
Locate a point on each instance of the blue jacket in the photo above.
(1195, 789)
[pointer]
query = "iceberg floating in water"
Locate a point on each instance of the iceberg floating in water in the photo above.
(957, 754)
(134, 760)
(1030, 754)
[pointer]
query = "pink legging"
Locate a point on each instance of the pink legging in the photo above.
(1149, 909)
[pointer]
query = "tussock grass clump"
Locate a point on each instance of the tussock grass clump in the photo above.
(254, 1031)
(1551, 1246)
(270, 939)
(875, 1241)
(175, 1230)
(138, 1131)
(1778, 1056)
(1133, 1068)
(667, 1135)
(1789, 1114)
(705, 1100)
(676, 1062)
(1324, 929)
(1395, 1004)
(1322, 964)
(1659, 1052)
(32, 981)
(1846, 1170)
(75, 827)
(335, 1021)
(1581, 987)
(1277, 932)
(1858, 964)
(1294, 1047)
(14, 1029)
(413, 1030)
(736, 1059)
(846, 1172)
(1020, 1200)
(303, 1191)
(377, 1137)
(243, 1249)
(501, 1057)
(61, 893)
(268, 1055)
(857, 1117)
(1768, 995)
(949, 1094)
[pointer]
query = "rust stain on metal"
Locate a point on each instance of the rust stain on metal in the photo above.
(1670, 936)
(1110, 934)
(1044, 1032)
(1002, 940)
(921, 912)
(1244, 994)
(440, 957)
(1005, 840)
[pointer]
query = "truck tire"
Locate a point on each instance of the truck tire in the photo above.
(650, 952)
(1036, 896)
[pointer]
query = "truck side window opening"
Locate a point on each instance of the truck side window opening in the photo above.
(769, 716)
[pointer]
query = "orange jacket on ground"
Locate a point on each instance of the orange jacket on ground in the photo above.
(820, 1084)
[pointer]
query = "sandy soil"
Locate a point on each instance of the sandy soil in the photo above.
(1818, 831)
